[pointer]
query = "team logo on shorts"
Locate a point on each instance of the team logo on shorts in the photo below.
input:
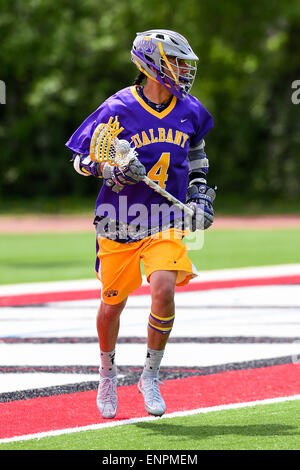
(111, 293)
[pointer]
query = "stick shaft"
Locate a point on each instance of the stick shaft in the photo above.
(168, 196)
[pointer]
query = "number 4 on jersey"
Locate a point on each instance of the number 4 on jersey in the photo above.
(159, 172)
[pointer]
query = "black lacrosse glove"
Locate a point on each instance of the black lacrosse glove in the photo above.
(200, 198)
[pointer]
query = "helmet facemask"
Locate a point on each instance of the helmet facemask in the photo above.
(179, 76)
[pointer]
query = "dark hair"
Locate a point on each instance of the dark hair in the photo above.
(139, 78)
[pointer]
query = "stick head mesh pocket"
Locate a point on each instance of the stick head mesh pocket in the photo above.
(106, 147)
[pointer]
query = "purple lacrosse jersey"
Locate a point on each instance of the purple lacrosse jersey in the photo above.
(162, 141)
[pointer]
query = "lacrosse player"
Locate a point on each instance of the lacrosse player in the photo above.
(166, 126)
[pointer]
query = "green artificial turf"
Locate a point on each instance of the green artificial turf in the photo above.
(243, 248)
(46, 257)
(68, 256)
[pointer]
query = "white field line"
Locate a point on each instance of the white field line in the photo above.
(176, 414)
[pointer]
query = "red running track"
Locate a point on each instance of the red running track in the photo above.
(79, 409)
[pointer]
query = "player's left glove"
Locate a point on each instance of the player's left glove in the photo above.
(200, 198)
(116, 178)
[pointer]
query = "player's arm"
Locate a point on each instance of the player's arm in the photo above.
(198, 163)
(199, 195)
(113, 177)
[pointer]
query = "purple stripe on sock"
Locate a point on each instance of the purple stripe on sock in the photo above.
(163, 322)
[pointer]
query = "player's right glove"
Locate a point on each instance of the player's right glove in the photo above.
(200, 198)
(116, 179)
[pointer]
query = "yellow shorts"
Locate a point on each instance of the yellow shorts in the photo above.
(118, 265)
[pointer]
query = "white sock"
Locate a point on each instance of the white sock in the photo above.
(152, 363)
(108, 367)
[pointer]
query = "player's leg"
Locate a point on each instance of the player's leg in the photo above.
(166, 264)
(118, 268)
(108, 321)
(161, 318)
(160, 324)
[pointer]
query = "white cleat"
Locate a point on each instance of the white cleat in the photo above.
(107, 398)
(154, 402)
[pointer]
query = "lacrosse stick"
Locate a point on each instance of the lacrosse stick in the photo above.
(106, 147)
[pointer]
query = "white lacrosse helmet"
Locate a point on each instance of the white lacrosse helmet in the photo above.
(150, 52)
